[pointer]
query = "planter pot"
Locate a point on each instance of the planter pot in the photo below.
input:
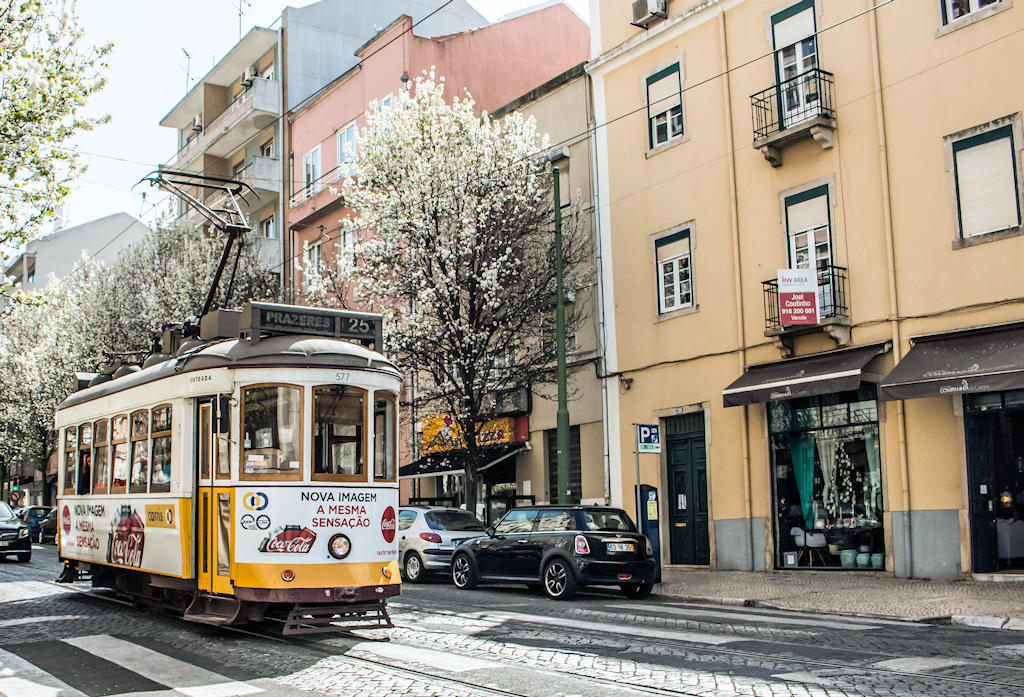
(877, 560)
(848, 558)
(863, 560)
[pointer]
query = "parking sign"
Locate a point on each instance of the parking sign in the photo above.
(648, 438)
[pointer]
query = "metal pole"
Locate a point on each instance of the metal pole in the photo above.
(563, 409)
(636, 449)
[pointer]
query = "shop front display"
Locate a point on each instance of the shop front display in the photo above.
(827, 481)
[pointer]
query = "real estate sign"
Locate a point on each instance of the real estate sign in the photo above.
(798, 297)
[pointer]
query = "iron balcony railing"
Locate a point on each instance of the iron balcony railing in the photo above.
(831, 297)
(791, 102)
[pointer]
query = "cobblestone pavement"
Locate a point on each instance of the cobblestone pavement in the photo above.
(60, 642)
(853, 593)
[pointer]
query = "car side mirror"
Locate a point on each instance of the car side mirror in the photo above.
(490, 531)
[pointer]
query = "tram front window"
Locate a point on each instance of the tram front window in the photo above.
(384, 438)
(339, 433)
(271, 428)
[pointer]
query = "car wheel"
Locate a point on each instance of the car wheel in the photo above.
(39, 537)
(413, 568)
(559, 580)
(637, 591)
(464, 572)
(22, 558)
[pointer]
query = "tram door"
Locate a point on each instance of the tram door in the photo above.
(213, 502)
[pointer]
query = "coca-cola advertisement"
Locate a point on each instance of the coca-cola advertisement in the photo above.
(290, 539)
(126, 539)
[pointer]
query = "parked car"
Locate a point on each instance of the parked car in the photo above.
(48, 527)
(427, 536)
(562, 548)
(33, 515)
(14, 538)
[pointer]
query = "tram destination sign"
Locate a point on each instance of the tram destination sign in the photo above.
(261, 319)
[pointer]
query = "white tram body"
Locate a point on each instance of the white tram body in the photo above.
(238, 475)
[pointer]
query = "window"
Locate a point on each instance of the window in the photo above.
(70, 446)
(675, 280)
(987, 181)
(119, 442)
(575, 483)
(606, 520)
(384, 437)
(346, 149)
(222, 412)
(953, 10)
(205, 433)
(405, 519)
(516, 521)
(100, 457)
(555, 521)
(385, 103)
(139, 480)
(314, 258)
(238, 169)
(796, 53)
(339, 433)
(267, 149)
(30, 277)
(271, 432)
(267, 228)
(160, 471)
(665, 105)
(311, 171)
(84, 460)
(459, 521)
(268, 73)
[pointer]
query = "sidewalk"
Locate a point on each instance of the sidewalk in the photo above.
(992, 605)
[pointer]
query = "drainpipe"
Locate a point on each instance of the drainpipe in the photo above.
(741, 334)
(890, 259)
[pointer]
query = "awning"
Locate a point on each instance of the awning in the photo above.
(454, 462)
(835, 371)
(986, 359)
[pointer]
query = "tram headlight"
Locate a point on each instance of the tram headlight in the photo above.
(339, 546)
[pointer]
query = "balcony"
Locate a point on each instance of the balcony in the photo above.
(834, 315)
(263, 174)
(791, 111)
(250, 112)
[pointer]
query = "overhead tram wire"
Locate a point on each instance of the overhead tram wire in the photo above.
(571, 140)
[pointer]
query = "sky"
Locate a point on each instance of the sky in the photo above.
(147, 77)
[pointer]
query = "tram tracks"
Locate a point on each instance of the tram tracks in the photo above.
(845, 672)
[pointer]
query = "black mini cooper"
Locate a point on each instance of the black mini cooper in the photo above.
(14, 537)
(561, 548)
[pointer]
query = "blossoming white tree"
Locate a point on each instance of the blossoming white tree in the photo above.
(458, 250)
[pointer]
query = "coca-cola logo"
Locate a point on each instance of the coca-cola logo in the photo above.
(289, 540)
(127, 539)
(65, 520)
(388, 525)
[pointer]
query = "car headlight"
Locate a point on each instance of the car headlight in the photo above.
(339, 546)
(22, 532)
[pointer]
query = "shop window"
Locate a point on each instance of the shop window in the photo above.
(100, 457)
(139, 480)
(70, 450)
(384, 438)
(674, 269)
(160, 468)
(339, 433)
(271, 432)
(827, 481)
(575, 483)
(986, 182)
(119, 443)
(664, 105)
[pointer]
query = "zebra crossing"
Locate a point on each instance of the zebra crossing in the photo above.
(104, 665)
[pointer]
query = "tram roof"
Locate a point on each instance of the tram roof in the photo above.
(277, 351)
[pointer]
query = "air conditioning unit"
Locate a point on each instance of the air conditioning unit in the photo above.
(197, 123)
(248, 77)
(647, 12)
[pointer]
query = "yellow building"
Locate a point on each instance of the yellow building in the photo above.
(876, 147)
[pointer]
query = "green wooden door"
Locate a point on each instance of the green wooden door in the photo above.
(687, 503)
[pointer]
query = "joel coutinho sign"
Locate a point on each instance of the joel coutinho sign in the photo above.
(798, 297)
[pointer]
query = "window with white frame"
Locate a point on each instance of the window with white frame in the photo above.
(986, 180)
(311, 171)
(675, 280)
(314, 259)
(953, 10)
(267, 228)
(346, 149)
(664, 105)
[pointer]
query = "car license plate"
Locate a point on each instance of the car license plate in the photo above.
(620, 547)
(3, 544)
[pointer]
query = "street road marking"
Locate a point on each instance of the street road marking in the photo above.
(44, 618)
(20, 678)
(183, 677)
(918, 664)
(427, 657)
(749, 616)
(643, 632)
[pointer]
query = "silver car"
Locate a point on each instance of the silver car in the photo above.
(427, 536)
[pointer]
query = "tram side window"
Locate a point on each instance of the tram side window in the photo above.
(119, 440)
(100, 457)
(384, 437)
(271, 432)
(70, 445)
(339, 433)
(140, 452)
(223, 466)
(84, 459)
(160, 474)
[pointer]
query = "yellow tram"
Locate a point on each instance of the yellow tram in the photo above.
(249, 473)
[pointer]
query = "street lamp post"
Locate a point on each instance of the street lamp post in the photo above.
(563, 409)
